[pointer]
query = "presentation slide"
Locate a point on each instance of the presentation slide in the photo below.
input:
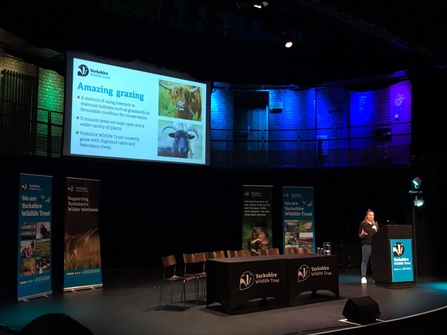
(131, 111)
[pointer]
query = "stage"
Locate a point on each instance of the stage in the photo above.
(128, 304)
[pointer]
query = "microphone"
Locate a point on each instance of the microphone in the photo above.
(391, 222)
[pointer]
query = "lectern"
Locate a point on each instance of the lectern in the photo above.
(392, 256)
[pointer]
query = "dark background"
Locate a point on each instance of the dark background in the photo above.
(149, 210)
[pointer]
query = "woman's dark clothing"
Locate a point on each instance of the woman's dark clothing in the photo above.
(369, 229)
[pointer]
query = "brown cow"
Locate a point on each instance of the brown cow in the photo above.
(188, 101)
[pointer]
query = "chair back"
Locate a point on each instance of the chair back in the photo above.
(169, 266)
(169, 261)
(273, 251)
(215, 254)
(194, 263)
(242, 253)
(302, 251)
(290, 251)
(231, 253)
(199, 257)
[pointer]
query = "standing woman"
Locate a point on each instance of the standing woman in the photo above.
(368, 227)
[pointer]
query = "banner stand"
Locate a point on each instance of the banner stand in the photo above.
(298, 218)
(80, 288)
(34, 237)
(257, 218)
(34, 296)
(82, 252)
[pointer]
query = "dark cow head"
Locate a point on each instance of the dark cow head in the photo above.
(181, 98)
(181, 145)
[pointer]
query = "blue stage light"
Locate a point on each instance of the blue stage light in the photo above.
(417, 182)
(418, 201)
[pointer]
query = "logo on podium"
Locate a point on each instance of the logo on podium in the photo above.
(398, 249)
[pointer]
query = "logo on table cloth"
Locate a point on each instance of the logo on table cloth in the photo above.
(306, 271)
(398, 249)
(246, 281)
(303, 273)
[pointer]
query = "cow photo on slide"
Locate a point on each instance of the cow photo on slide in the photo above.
(179, 140)
(180, 101)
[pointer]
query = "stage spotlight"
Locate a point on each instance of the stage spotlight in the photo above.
(288, 38)
(417, 182)
(418, 201)
(261, 5)
(255, 4)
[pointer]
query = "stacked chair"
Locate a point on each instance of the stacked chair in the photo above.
(215, 254)
(170, 275)
(273, 251)
(238, 253)
(195, 266)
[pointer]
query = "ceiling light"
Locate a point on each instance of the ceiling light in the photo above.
(288, 38)
(256, 4)
(418, 201)
(261, 4)
(417, 182)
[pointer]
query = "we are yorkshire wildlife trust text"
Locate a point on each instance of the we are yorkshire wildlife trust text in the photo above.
(32, 208)
(291, 208)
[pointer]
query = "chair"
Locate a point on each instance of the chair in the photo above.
(242, 253)
(195, 266)
(238, 253)
(273, 251)
(169, 275)
(290, 251)
(302, 251)
(215, 254)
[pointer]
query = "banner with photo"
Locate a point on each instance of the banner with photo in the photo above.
(82, 253)
(257, 218)
(298, 217)
(34, 247)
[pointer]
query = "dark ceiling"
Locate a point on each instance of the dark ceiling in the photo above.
(219, 41)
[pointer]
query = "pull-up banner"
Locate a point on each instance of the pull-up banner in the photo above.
(35, 214)
(257, 218)
(298, 217)
(82, 253)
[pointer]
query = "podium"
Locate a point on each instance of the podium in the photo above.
(392, 256)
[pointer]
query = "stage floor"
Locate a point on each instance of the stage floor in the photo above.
(128, 304)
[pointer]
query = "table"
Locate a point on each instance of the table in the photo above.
(312, 272)
(233, 281)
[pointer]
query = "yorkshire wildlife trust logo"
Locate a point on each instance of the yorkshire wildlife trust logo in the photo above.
(303, 273)
(398, 249)
(71, 188)
(25, 186)
(247, 194)
(83, 70)
(246, 281)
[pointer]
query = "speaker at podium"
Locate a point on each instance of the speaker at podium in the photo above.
(392, 256)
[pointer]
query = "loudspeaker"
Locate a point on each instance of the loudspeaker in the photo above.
(361, 310)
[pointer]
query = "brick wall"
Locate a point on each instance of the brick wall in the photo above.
(50, 99)
(51, 94)
(50, 85)
(8, 62)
